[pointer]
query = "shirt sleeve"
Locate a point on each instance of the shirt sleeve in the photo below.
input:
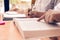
(57, 7)
(43, 5)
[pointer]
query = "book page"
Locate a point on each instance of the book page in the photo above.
(31, 24)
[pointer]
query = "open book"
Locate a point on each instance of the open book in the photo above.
(31, 28)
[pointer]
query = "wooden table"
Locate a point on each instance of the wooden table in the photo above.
(31, 28)
(9, 32)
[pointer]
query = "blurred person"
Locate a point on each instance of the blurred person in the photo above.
(41, 9)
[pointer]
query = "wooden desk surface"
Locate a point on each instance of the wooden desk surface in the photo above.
(32, 28)
(9, 32)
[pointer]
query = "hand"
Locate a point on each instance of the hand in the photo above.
(51, 16)
(35, 14)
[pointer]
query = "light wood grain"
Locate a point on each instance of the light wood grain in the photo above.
(9, 32)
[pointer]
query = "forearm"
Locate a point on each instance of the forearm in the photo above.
(35, 14)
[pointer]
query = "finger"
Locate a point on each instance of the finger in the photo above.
(42, 17)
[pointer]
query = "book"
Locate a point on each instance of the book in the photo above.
(29, 27)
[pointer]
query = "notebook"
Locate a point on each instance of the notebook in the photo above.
(32, 28)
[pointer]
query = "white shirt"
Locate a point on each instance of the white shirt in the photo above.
(43, 5)
(57, 7)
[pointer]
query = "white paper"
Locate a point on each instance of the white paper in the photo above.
(31, 24)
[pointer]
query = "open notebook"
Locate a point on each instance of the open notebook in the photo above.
(31, 28)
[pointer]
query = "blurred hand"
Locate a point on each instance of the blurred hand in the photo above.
(35, 14)
(51, 16)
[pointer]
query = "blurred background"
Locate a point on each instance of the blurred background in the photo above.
(21, 4)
